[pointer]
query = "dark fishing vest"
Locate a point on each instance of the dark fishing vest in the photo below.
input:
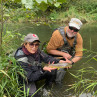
(66, 47)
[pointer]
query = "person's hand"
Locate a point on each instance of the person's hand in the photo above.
(48, 68)
(68, 61)
(62, 61)
(66, 55)
(51, 63)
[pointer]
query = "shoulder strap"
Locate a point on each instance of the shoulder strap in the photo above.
(62, 32)
(75, 41)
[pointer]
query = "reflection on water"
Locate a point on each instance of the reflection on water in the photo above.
(89, 34)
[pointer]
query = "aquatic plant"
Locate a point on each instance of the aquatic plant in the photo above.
(86, 77)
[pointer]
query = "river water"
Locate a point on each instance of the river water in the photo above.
(89, 34)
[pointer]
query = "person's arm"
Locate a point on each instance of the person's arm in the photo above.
(76, 59)
(48, 59)
(56, 41)
(60, 53)
(51, 60)
(78, 49)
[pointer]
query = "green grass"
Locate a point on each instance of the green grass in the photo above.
(86, 79)
(9, 84)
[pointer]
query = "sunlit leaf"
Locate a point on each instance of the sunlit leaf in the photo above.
(20, 73)
(4, 73)
(43, 6)
(28, 3)
(74, 75)
(57, 4)
(22, 38)
(63, 1)
(84, 49)
(91, 85)
(17, 0)
(19, 34)
(7, 15)
(95, 59)
(9, 32)
(23, 1)
(39, 1)
(51, 1)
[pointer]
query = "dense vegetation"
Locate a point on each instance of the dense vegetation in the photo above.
(38, 11)
(48, 10)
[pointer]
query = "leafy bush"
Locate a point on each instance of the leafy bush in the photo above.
(8, 41)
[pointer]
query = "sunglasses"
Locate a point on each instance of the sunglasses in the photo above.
(32, 44)
(74, 29)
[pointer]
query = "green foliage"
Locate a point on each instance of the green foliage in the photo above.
(42, 4)
(8, 42)
(49, 9)
(44, 46)
(54, 15)
(23, 16)
(86, 5)
(39, 1)
(84, 83)
(9, 73)
(13, 4)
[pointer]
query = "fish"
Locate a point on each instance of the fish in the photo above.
(60, 65)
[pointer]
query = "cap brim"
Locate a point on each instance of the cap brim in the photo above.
(36, 41)
(31, 40)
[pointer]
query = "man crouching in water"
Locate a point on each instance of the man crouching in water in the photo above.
(66, 42)
(30, 57)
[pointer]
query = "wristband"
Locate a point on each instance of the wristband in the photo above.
(72, 62)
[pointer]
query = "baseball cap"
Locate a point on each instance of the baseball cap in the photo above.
(74, 22)
(31, 38)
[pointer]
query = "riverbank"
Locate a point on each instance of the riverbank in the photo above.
(60, 16)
